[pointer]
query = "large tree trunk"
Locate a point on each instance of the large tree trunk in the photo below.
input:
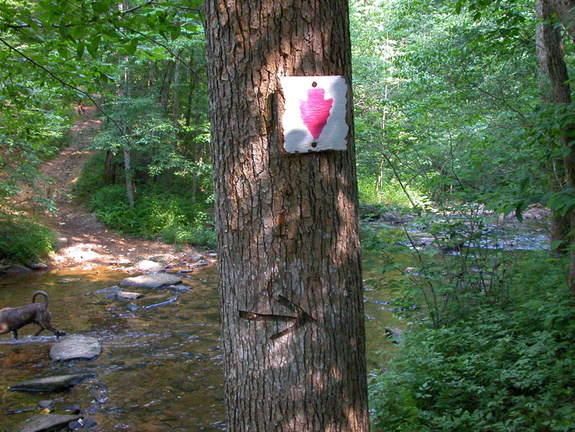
(556, 90)
(565, 10)
(287, 225)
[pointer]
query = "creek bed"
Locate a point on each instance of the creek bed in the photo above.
(160, 369)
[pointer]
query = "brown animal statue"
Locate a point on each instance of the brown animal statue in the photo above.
(13, 319)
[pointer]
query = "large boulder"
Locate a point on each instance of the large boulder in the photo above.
(76, 347)
(56, 383)
(152, 280)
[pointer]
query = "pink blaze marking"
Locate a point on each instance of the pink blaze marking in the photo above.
(315, 111)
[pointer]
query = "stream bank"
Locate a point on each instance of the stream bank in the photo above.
(161, 363)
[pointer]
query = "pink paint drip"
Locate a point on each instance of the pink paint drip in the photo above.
(315, 111)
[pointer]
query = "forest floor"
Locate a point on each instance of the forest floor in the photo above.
(83, 242)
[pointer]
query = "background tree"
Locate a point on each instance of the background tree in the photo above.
(287, 225)
(57, 55)
(565, 12)
(453, 92)
(556, 92)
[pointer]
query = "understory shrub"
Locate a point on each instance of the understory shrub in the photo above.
(390, 193)
(499, 368)
(23, 240)
(155, 214)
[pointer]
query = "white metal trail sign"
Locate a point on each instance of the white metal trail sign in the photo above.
(315, 113)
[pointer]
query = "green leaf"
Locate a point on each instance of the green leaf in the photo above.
(176, 30)
(77, 32)
(94, 45)
(80, 46)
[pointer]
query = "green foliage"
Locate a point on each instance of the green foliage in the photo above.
(92, 178)
(155, 213)
(146, 131)
(23, 240)
(198, 232)
(29, 136)
(55, 54)
(451, 270)
(389, 193)
(504, 367)
(444, 101)
(448, 103)
(68, 43)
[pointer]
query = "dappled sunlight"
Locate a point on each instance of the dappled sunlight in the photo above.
(280, 356)
(336, 374)
(86, 253)
(83, 252)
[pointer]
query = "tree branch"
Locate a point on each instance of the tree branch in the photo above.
(66, 84)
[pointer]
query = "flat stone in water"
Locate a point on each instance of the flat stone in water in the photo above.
(51, 384)
(48, 422)
(179, 288)
(152, 280)
(127, 295)
(13, 269)
(169, 301)
(112, 289)
(76, 347)
(157, 299)
(46, 404)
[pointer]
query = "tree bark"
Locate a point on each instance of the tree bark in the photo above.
(556, 90)
(289, 252)
(565, 10)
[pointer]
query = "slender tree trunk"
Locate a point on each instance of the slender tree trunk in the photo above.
(167, 82)
(110, 174)
(556, 90)
(123, 95)
(191, 91)
(289, 252)
(176, 96)
(128, 175)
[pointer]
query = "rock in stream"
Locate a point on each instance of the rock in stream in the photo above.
(49, 422)
(76, 347)
(56, 383)
(156, 280)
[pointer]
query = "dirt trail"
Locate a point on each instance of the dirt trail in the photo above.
(83, 242)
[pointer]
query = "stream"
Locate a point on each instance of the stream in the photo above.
(160, 368)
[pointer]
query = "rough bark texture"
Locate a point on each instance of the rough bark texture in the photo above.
(287, 225)
(565, 10)
(556, 90)
(551, 56)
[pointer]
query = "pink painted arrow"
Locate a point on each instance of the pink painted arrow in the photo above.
(315, 111)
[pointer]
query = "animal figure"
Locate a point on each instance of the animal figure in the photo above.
(13, 319)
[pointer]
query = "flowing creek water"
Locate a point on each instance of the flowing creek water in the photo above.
(160, 369)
